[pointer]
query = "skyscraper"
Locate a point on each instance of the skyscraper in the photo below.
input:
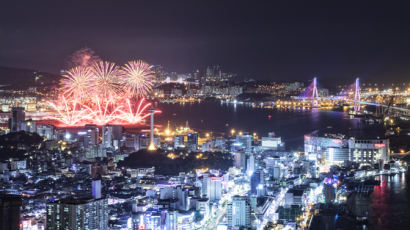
(257, 178)
(179, 141)
(192, 141)
(206, 185)
(91, 136)
(47, 131)
(250, 164)
(10, 211)
(18, 116)
(240, 160)
(245, 140)
(111, 135)
(215, 189)
(239, 213)
(79, 213)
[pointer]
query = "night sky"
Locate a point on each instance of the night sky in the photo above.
(289, 40)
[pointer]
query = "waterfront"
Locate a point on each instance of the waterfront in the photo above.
(389, 203)
(291, 125)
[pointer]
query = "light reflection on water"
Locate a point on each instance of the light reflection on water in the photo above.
(291, 125)
(390, 203)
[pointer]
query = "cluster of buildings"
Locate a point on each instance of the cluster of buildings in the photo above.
(71, 179)
(213, 82)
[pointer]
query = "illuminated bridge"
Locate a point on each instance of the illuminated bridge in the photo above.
(353, 96)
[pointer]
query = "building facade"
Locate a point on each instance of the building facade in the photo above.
(239, 213)
(77, 213)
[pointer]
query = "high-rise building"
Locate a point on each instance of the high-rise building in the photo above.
(17, 118)
(329, 193)
(79, 213)
(206, 147)
(95, 151)
(162, 218)
(202, 206)
(215, 189)
(245, 141)
(91, 135)
(192, 141)
(171, 221)
(276, 172)
(183, 199)
(250, 164)
(47, 131)
(206, 185)
(28, 126)
(10, 211)
(179, 141)
(131, 142)
(240, 160)
(257, 179)
(239, 213)
(111, 135)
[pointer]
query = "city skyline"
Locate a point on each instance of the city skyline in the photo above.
(204, 115)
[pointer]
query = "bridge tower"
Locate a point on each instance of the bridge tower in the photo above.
(315, 95)
(356, 100)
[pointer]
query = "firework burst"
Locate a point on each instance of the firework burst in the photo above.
(76, 82)
(107, 79)
(138, 76)
(101, 92)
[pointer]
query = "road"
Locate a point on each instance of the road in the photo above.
(214, 220)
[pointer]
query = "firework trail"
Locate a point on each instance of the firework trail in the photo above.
(138, 76)
(103, 112)
(137, 116)
(68, 112)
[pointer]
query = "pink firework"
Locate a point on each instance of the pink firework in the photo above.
(103, 112)
(138, 76)
(76, 83)
(100, 92)
(69, 112)
(107, 79)
(135, 116)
